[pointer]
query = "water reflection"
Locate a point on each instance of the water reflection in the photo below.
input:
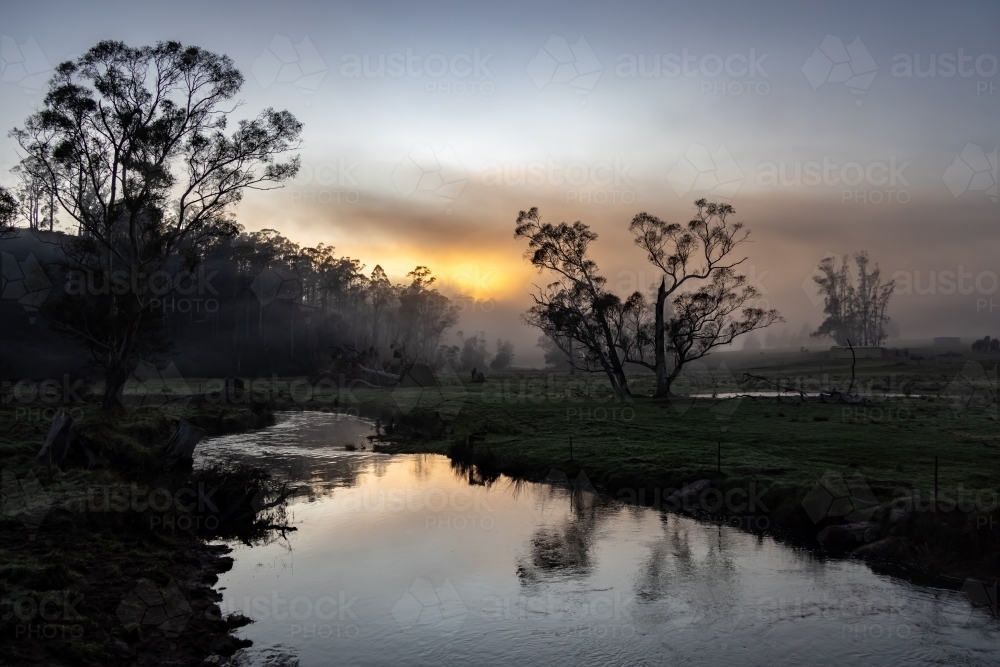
(402, 560)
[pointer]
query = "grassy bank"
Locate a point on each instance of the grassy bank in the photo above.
(776, 451)
(100, 561)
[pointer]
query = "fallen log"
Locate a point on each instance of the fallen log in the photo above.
(381, 375)
(822, 397)
(747, 377)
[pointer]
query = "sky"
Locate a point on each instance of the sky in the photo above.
(831, 127)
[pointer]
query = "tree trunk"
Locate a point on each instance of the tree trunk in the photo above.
(114, 382)
(623, 390)
(660, 342)
(613, 366)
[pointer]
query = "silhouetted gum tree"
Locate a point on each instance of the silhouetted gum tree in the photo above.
(577, 306)
(855, 308)
(36, 200)
(8, 211)
(714, 314)
(616, 331)
(698, 251)
(133, 143)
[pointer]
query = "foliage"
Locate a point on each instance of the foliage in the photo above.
(615, 331)
(703, 250)
(35, 195)
(986, 344)
(855, 308)
(473, 353)
(8, 211)
(504, 358)
(132, 142)
(577, 305)
(555, 357)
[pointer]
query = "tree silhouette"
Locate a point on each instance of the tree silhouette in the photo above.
(134, 143)
(8, 211)
(698, 251)
(855, 309)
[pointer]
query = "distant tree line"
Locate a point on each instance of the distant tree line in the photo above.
(986, 344)
(474, 353)
(136, 147)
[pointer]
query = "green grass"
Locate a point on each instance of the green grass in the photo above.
(892, 442)
(522, 424)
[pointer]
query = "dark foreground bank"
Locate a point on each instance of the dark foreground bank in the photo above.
(104, 559)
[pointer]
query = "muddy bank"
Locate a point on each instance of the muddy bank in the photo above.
(108, 563)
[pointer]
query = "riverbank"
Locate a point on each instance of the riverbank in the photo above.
(844, 479)
(79, 591)
(105, 562)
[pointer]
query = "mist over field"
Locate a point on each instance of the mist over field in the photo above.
(830, 129)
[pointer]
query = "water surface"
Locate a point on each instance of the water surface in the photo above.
(400, 560)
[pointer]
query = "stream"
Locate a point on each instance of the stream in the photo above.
(401, 560)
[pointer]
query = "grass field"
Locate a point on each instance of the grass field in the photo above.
(892, 440)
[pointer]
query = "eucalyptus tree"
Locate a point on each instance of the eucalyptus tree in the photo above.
(8, 212)
(577, 305)
(698, 251)
(855, 308)
(716, 307)
(136, 145)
